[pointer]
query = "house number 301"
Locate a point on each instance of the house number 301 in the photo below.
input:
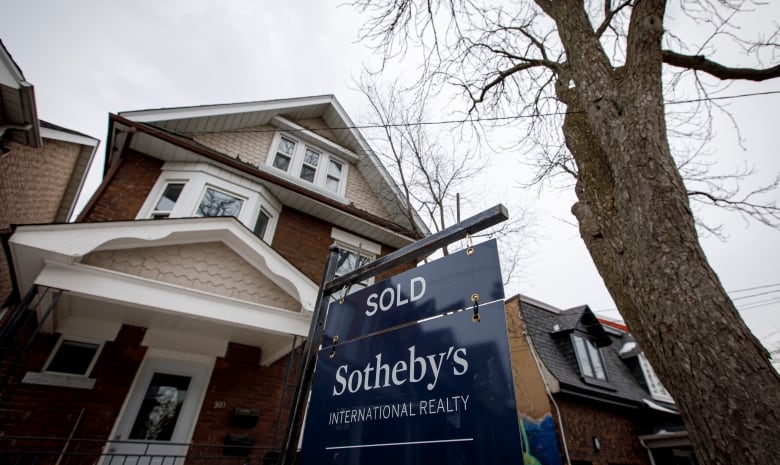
(220, 404)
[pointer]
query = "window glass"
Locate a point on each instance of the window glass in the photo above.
(73, 357)
(582, 356)
(349, 261)
(333, 179)
(284, 154)
(160, 408)
(262, 224)
(168, 200)
(595, 360)
(217, 203)
(309, 167)
(589, 358)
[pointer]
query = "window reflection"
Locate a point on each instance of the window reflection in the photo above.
(217, 203)
(160, 408)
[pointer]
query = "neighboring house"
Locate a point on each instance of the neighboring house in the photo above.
(586, 393)
(42, 166)
(167, 318)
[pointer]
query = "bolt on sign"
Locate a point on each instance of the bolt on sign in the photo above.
(416, 370)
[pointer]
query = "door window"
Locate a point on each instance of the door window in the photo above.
(160, 407)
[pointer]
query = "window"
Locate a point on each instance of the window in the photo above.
(261, 226)
(186, 190)
(589, 358)
(309, 167)
(309, 164)
(349, 260)
(73, 357)
(333, 178)
(218, 203)
(657, 389)
(284, 153)
(167, 200)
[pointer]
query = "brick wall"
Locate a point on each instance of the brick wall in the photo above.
(128, 189)
(52, 411)
(32, 184)
(33, 181)
(615, 427)
(239, 381)
(304, 241)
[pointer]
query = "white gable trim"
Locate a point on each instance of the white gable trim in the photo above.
(166, 114)
(169, 298)
(68, 243)
(65, 136)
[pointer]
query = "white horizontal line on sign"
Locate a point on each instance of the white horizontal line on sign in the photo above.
(359, 446)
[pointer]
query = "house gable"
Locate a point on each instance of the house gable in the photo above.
(209, 267)
(241, 131)
(204, 277)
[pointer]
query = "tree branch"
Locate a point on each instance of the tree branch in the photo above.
(609, 15)
(701, 63)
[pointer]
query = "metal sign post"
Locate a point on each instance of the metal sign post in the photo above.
(329, 286)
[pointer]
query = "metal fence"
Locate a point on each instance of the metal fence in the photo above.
(27, 450)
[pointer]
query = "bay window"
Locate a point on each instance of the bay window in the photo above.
(187, 190)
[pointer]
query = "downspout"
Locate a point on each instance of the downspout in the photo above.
(549, 394)
(649, 452)
(5, 237)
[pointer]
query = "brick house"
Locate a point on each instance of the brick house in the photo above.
(42, 165)
(166, 321)
(585, 392)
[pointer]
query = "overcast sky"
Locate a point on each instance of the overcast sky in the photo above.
(89, 58)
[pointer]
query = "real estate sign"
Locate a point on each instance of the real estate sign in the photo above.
(432, 391)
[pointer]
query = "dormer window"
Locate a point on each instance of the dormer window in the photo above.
(310, 164)
(284, 153)
(657, 389)
(309, 167)
(589, 359)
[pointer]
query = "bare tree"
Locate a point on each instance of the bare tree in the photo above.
(434, 164)
(596, 69)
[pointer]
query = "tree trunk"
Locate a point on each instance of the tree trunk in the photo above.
(635, 220)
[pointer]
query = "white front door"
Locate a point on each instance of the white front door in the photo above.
(160, 413)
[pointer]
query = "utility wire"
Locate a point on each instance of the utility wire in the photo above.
(476, 120)
(753, 288)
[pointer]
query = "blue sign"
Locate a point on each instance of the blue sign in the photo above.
(439, 391)
(439, 287)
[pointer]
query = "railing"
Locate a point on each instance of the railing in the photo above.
(28, 450)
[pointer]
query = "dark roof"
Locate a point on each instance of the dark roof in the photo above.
(550, 332)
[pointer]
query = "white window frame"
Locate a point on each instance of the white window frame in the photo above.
(657, 390)
(353, 243)
(244, 200)
(197, 177)
(155, 211)
(294, 169)
(85, 340)
(592, 351)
